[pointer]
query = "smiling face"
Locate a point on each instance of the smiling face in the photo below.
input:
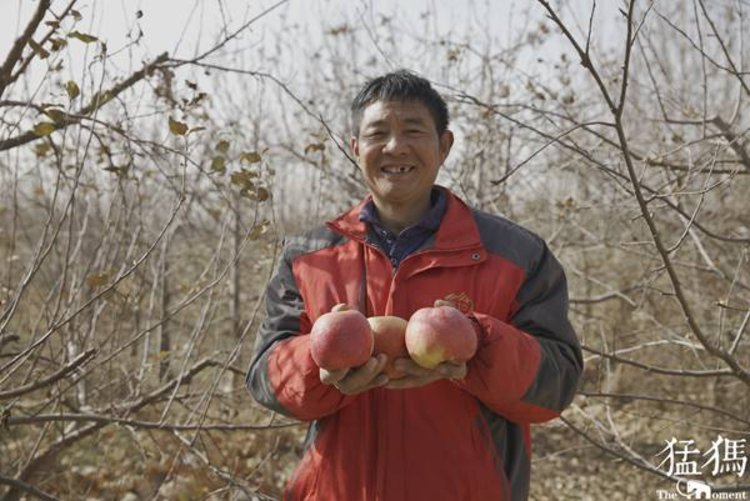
(400, 152)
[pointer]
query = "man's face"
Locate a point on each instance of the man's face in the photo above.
(399, 151)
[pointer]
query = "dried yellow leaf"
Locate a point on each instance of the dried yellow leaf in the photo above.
(177, 128)
(44, 128)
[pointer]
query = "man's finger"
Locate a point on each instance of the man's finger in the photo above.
(410, 367)
(419, 376)
(364, 377)
(332, 377)
(452, 371)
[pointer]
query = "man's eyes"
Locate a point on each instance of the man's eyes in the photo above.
(380, 133)
(375, 133)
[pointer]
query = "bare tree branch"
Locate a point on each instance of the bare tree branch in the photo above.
(617, 111)
(96, 102)
(17, 50)
(733, 140)
(719, 38)
(659, 370)
(23, 486)
(660, 399)
(135, 423)
(57, 375)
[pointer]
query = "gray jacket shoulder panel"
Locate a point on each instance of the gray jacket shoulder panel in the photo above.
(507, 239)
(320, 237)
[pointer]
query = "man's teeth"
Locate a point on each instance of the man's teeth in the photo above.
(401, 169)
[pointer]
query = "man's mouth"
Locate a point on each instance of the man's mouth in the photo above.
(397, 169)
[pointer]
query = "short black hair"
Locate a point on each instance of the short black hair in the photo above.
(400, 85)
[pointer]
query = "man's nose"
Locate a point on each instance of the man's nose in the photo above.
(396, 144)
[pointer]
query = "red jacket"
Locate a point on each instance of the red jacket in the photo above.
(466, 440)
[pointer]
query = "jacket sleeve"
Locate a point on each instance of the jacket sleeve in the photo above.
(283, 376)
(527, 370)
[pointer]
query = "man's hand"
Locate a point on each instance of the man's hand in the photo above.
(357, 379)
(417, 375)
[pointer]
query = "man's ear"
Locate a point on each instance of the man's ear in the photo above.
(446, 142)
(354, 146)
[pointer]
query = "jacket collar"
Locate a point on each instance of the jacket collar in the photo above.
(458, 229)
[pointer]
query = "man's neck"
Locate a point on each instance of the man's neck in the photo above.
(397, 218)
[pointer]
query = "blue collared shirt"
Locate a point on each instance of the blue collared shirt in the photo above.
(398, 247)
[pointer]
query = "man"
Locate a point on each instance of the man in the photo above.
(456, 432)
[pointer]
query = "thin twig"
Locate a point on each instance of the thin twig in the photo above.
(659, 370)
(135, 423)
(672, 401)
(61, 373)
(20, 484)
